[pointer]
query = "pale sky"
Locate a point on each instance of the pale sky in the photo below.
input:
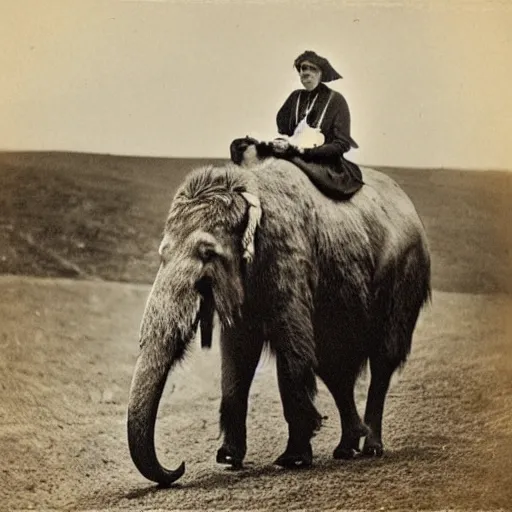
(428, 84)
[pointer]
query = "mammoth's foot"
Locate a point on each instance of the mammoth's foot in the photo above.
(230, 456)
(296, 457)
(342, 452)
(349, 444)
(373, 447)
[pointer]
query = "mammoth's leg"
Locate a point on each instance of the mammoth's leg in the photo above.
(381, 373)
(389, 351)
(404, 288)
(295, 361)
(240, 355)
(297, 389)
(340, 383)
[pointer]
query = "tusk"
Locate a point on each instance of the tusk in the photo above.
(254, 217)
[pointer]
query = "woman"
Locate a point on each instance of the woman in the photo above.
(316, 121)
(315, 125)
(310, 103)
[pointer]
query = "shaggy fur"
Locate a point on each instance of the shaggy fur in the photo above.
(331, 286)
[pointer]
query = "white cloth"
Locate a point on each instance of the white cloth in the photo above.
(306, 136)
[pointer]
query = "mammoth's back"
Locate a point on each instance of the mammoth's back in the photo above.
(381, 201)
(380, 218)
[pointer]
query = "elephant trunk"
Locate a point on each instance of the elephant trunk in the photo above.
(148, 383)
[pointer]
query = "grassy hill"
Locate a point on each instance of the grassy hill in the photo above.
(101, 216)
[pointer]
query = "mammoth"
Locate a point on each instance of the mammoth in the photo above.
(329, 286)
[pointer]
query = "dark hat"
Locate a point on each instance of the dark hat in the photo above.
(328, 72)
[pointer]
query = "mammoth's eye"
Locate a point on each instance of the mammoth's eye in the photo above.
(206, 247)
(207, 252)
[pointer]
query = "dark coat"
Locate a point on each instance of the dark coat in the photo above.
(335, 126)
(325, 165)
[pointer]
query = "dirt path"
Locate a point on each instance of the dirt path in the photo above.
(67, 353)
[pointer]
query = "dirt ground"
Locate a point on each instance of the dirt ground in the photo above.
(68, 348)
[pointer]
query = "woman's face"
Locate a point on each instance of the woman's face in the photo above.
(310, 75)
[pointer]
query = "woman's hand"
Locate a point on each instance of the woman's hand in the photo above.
(280, 145)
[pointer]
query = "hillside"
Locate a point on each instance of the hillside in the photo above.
(101, 216)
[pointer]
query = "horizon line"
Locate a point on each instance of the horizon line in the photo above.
(219, 158)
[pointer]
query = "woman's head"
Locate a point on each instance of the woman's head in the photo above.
(310, 75)
(314, 69)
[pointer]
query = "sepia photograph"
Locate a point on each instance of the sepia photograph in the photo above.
(255, 255)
